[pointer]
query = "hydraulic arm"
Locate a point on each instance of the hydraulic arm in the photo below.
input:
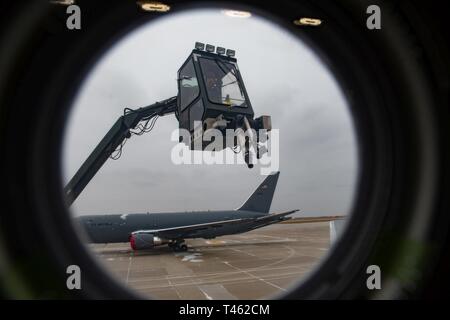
(120, 131)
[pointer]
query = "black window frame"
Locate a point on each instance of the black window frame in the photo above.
(185, 65)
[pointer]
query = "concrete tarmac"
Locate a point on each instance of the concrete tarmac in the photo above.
(253, 265)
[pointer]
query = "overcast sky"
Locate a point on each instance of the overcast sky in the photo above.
(284, 79)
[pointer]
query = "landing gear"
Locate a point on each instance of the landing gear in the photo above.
(178, 246)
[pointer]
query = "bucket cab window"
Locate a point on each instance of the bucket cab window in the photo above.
(222, 84)
(188, 84)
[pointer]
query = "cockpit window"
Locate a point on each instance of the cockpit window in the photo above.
(222, 83)
(188, 85)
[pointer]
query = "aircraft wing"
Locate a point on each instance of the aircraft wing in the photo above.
(192, 230)
(273, 218)
(277, 216)
(197, 230)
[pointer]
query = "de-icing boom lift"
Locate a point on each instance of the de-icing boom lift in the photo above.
(211, 95)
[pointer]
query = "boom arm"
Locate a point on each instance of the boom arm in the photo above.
(114, 138)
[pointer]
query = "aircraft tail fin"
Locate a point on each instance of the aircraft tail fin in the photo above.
(261, 199)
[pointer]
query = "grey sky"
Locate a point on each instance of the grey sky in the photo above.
(283, 78)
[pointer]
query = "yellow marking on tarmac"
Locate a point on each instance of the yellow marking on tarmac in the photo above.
(215, 242)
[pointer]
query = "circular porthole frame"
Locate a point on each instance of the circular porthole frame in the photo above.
(387, 80)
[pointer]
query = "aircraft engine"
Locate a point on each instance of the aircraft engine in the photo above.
(142, 241)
